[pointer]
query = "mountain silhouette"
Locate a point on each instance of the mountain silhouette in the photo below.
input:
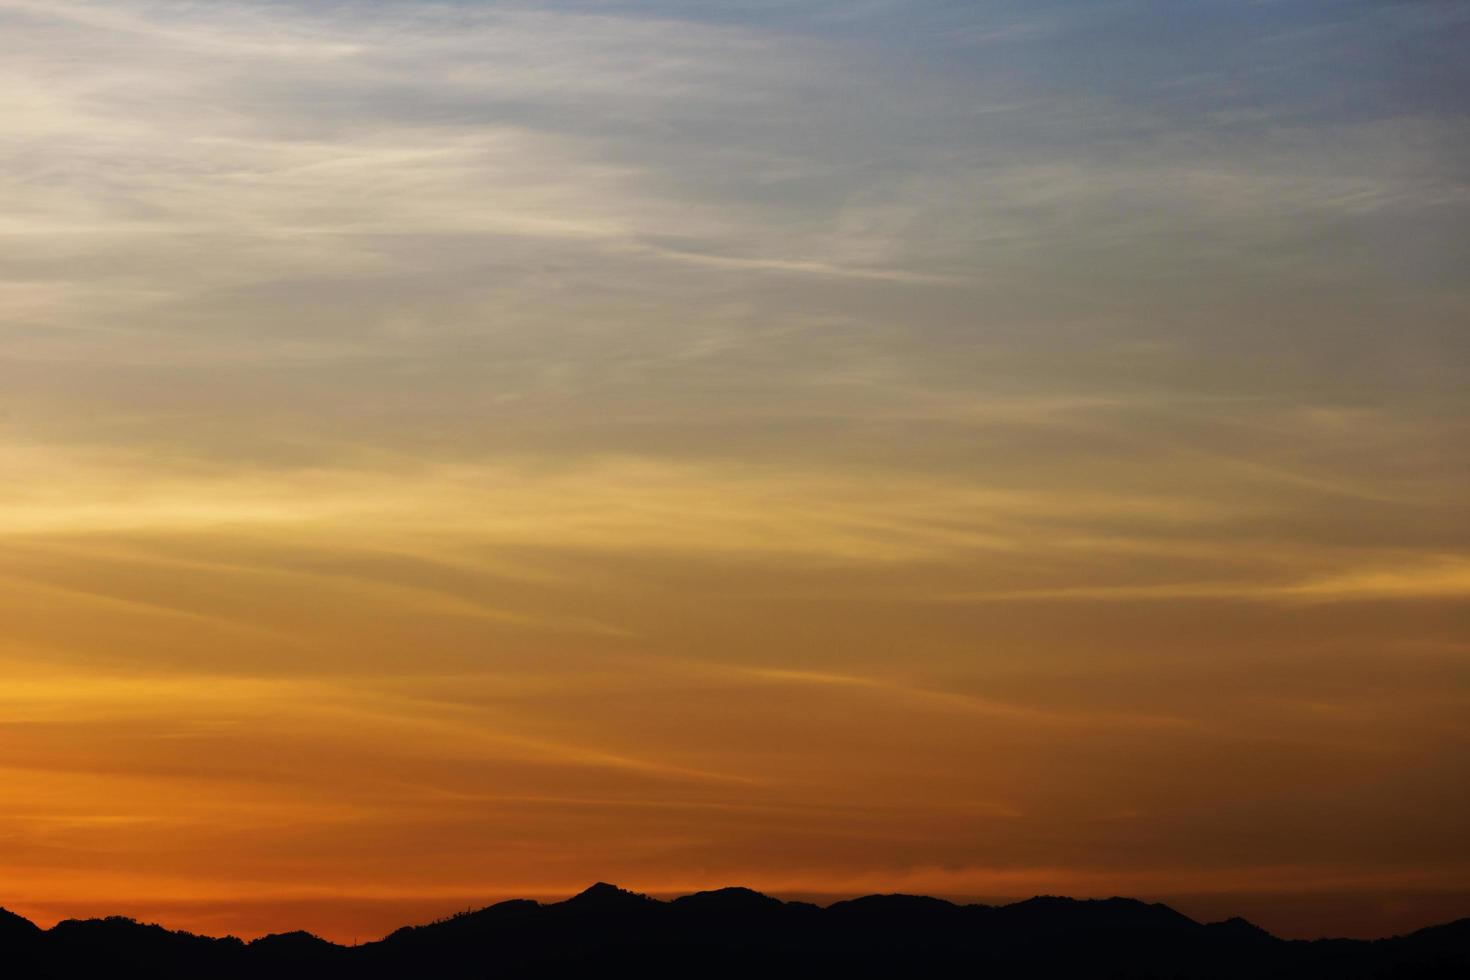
(737, 932)
(606, 897)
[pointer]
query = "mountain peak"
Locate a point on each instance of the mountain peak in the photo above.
(603, 894)
(10, 922)
(1241, 928)
(729, 899)
(298, 939)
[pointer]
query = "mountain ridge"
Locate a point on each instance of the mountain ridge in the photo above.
(738, 931)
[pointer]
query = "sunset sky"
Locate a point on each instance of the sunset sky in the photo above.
(453, 451)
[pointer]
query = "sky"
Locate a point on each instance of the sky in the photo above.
(456, 451)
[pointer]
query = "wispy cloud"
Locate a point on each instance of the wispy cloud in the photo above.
(1431, 577)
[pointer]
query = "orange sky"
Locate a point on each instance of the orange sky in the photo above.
(452, 453)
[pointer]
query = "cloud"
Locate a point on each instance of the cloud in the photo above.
(1430, 577)
(192, 121)
(611, 502)
(965, 702)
